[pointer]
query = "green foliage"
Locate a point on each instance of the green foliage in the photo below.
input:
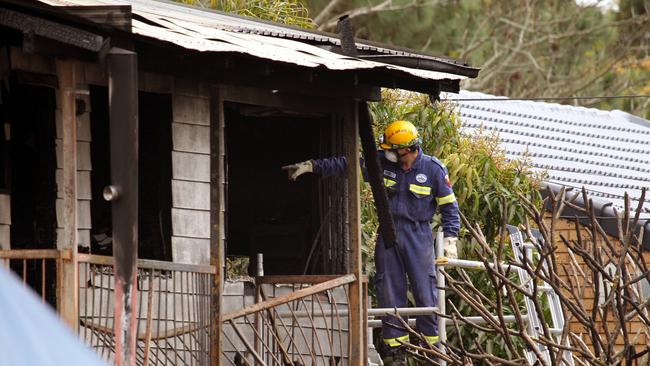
(291, 12)
(525, 49)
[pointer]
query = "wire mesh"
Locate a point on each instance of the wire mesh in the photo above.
(308, 330)
(173, 311)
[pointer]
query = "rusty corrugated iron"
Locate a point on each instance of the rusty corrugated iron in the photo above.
(204, 31)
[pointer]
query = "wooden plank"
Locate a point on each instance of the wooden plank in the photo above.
(191, 223)
(217, 221)
(295, 279)
(83, 126)
(191, 88)
(191, 110)
(84, 189)
(30, 254)
(296, 295)
(191, 138)
(190, 166)
(84, 237)
(69, 288)
(148, 264)
(32, 62)
(83, 215)
(83, 184)
(5, 209)
(5, 237)
(94, 74)
(83, 156)
(266, 97)
(156, 83)
(357, 322)
(191, 195)
(190, 250)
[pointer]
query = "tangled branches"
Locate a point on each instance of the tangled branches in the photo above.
(574, 298)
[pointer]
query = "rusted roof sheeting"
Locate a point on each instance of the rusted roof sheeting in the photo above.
(200, 30)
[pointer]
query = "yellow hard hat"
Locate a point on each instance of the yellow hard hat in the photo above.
(399, 134)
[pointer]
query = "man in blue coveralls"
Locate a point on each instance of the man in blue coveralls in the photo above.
(417, 187)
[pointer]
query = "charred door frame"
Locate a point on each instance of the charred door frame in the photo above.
(346, 110)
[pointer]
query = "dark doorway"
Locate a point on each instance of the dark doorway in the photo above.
(265, 212)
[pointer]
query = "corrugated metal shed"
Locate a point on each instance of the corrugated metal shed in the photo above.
(607, 152)
(210, 31)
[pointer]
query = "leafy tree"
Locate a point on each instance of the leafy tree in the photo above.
(292, 12)
(524, 48)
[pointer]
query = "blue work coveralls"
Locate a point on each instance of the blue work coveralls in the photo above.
(414, 196)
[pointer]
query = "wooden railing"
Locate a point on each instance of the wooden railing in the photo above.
(173, 303)
(38, 268)
(299, 320)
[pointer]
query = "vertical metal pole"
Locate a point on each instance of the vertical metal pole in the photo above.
(258, 298)
(440, 282)
(123, 110)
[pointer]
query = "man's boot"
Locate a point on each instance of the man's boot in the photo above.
(398, 357)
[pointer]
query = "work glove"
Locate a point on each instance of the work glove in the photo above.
(298, 169)
(451, 250)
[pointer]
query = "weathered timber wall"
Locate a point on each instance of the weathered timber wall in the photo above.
(190, 173)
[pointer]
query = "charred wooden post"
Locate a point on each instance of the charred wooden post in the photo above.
(123, 110)
(386, 227)
(358, 347)
(69, 269)
(217, 219)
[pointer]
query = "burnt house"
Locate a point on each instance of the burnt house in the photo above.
(142, 143)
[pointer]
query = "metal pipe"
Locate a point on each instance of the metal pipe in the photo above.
(463, 263)
(123, 115)
(440, 282)
(474, 319)
(377, 312)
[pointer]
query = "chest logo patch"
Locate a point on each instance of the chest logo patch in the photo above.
(388, 173)
(421, 178)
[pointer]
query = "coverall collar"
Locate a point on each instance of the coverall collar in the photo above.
(416, 163)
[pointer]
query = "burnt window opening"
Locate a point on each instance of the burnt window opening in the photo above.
(28, 176)
(154, 175)
(31, 174)
(265, 212)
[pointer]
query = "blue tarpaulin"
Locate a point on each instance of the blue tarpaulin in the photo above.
(31, 333)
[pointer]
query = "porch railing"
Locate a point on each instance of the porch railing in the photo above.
(38, 268)
(295, 320)
(299, 320)
(173, 310)
(173, 304)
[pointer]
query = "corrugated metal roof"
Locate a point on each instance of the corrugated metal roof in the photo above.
(607, 152)
(215, 32)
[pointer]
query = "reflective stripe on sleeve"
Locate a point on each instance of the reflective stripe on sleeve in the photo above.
(446, 199)
(420, 189)
(389, 182)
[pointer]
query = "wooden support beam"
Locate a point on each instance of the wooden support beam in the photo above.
(357, 341)
(68, 286)
(217, 218)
